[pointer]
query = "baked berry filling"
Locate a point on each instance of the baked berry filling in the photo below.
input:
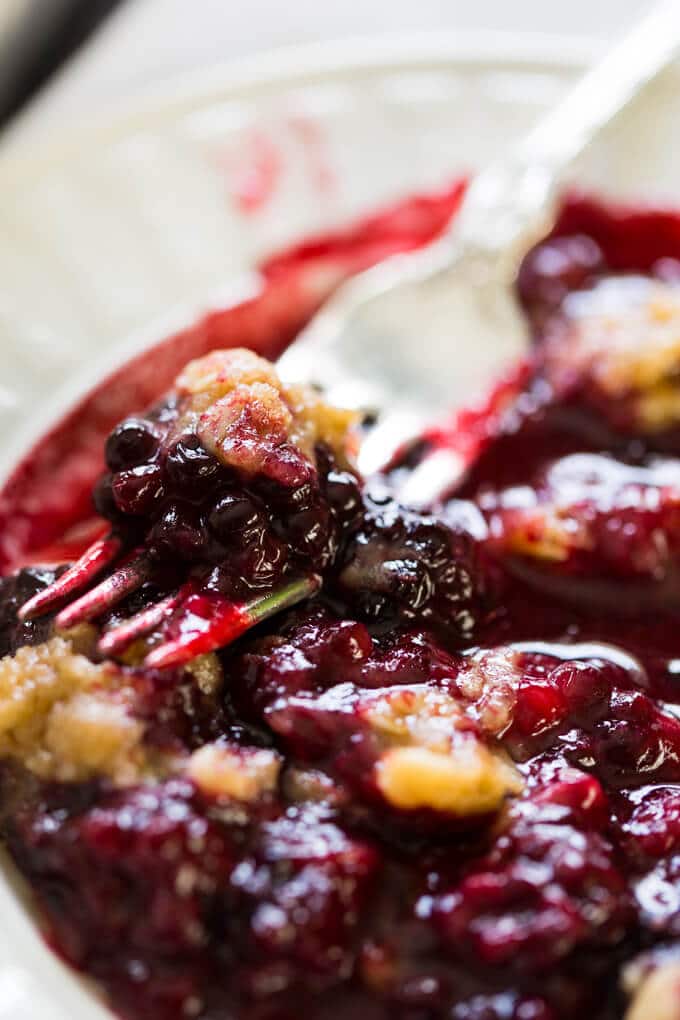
(278, 743)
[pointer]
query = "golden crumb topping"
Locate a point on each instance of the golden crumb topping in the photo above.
(65, 717)
(657, 997)
(468, 779)
(239, 773)
(420, 715)
(215, 375)
(244, 410)
(625, 337)
(434, 758)
(207, 672)
(547, 532)
(489, 683)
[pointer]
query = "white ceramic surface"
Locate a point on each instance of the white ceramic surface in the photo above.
(120, 232)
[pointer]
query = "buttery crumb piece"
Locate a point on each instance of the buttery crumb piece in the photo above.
(244, 428)
(214, 376)
(657, 997)
(92, 735)
(307, 784)
(244, 411)
(545, 533)
(207, 672)
(419, 714)
(469, 779)
(65, 717)
(625, 336)
(315, 421)
(489, 683)
(240, 773)
(434, 759)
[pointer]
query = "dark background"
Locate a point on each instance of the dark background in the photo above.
(46, 39)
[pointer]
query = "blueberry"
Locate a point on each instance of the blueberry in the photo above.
(138, 490)
(179, 531)
(414, 565)
(190, 468)
(308, 534)
(131, 443)
(233, 514)
(103, 499)
(342, 492)
(555, 267)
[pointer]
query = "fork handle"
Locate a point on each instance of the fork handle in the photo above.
(512, 202)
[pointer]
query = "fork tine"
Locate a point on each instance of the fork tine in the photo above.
(207, 622)
(436, 474)
(111, 590)
(118, 638)
(95, 558)
(384, 440)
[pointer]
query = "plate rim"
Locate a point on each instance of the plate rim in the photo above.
(291, 66)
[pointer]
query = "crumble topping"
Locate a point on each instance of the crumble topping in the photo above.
(90, 734)
(420, 715)
(442, 763)
(489, 683)
(65, 717)
(207, 672)
(591, 512)
(657, 996)
(624, 334)
(214, 376)
(546, 533)
(245, 412)
(241, 773)
(469, 779)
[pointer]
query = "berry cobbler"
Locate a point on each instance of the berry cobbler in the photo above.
(274, 743)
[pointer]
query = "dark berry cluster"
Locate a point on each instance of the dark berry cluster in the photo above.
(14, 591)
(403, 566)
(189, 510)
(270, 902)
(339, 878)
(245, 534)
(549, 884)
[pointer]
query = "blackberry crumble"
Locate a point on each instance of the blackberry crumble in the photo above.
(318, 751)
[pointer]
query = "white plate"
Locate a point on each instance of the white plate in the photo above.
(124, 229)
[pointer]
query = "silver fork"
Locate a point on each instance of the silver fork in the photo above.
(390, 343)
(422, 334)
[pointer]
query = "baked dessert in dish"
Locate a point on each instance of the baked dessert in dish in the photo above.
(279, 744)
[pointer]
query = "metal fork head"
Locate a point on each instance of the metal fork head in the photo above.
(411, 340)
(436, 326)
(191, 621)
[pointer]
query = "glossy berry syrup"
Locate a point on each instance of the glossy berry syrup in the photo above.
(446, 785)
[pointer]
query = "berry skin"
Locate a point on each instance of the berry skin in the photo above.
(14, 591)
(103, 498)
(413, 567)
(190, 469)
(139, 491)
(233, 514)
(554, 268)
(549, 885)
(178, 531)
(131, 443)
